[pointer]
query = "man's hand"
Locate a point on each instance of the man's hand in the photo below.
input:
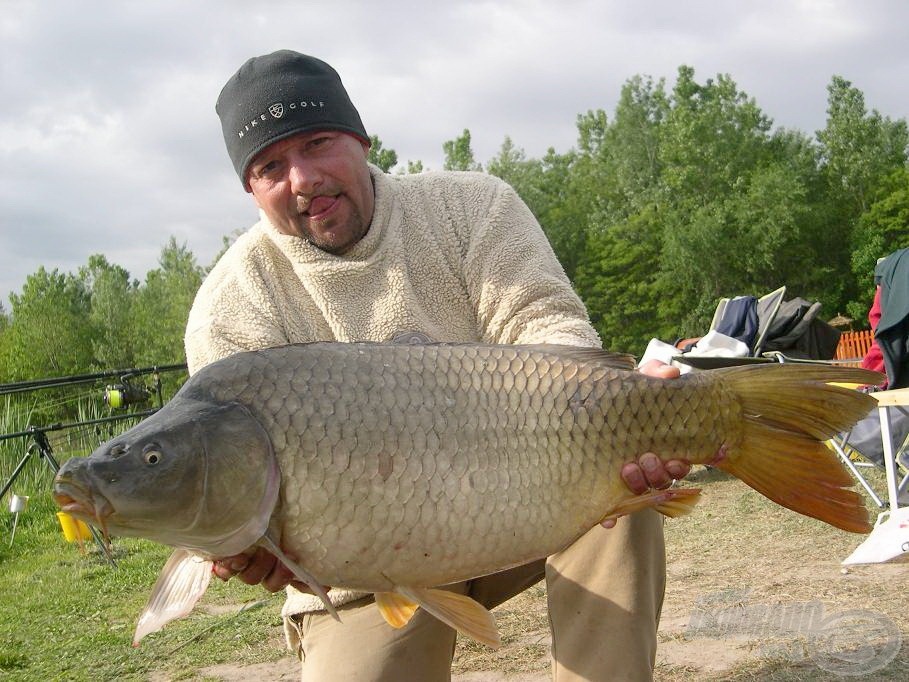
(649, 471)
(258, 567)
(660, 370)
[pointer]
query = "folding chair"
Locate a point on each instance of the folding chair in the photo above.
(887, 400)
(767, 306)
(889, 540)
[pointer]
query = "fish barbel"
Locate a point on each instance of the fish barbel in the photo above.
(395, 469)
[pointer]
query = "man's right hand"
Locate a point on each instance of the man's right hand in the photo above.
(258, 567)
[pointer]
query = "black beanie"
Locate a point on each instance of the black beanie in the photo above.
(278, 95)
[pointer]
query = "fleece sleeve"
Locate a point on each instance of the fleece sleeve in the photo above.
(231, 313)
(521, 291)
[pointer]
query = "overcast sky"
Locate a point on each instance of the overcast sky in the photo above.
(109, 142)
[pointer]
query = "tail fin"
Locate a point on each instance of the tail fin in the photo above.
(789, 411)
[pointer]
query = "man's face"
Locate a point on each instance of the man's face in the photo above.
(315, 186)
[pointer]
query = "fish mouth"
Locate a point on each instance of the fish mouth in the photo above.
(83, 503)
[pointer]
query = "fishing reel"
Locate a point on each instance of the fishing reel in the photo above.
(124, 394)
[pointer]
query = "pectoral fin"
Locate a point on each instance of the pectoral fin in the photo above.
(395, 608)
(302, 574)
(464, 614)
(182, 582)
(672, 502)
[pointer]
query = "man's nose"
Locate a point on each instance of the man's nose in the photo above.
(304, 175)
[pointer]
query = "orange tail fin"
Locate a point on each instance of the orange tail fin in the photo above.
(790, 410)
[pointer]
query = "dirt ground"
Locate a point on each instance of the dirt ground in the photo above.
(679, 658)
(686, 651)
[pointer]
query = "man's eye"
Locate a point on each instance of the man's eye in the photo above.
(318, 141)
(267, 168)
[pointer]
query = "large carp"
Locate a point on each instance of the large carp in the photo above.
(395, 469)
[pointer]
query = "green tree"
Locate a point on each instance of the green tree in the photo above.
(459, 155)
(860, 148)
(50, 333)
(620, 286)
(881, 230)
(543, 184)
(715, 145)
(749, 242)
(712, 135)
(162, 306)
(625, 163)
(524, 175)
(614, 192)
(859, 151)
(414, 167)
(385, 159)
(112, 293)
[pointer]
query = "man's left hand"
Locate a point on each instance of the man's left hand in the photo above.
(649, 471)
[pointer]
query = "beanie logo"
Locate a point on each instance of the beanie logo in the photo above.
(277, 110)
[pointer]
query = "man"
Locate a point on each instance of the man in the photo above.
(345, 252)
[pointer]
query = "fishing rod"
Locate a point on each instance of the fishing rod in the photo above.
(45, 452)
(118, 395)
(31, 430)
(21, 386)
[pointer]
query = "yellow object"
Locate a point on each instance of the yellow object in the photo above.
(73, 529)
(113, 397)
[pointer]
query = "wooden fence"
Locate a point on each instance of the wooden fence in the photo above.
(853, 346)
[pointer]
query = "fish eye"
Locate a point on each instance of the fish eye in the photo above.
(152, 457)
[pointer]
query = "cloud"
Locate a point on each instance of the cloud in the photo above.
(109, 141)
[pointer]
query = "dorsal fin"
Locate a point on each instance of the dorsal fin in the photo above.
(582, 354)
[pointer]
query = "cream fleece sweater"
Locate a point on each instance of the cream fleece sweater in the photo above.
(456, 256)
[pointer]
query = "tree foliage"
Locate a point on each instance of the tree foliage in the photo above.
(162, 305)
(459, 154)
(112, 294)
(98, 319)
(680, 196)
(50, 332)
(386, 159)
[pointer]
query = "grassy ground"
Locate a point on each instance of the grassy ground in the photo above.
(65, 615)
(741, 573)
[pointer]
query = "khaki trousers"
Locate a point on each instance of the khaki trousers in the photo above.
(604, 594)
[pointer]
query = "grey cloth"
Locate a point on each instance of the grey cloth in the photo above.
(866, 434)
(892, 333)
(797, 332)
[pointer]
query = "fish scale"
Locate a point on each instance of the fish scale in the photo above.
(546, 473)
(397, 468)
